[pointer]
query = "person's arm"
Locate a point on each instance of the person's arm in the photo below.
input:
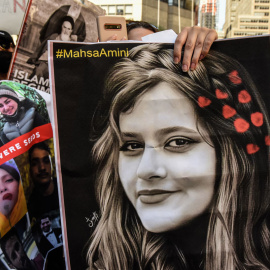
(4, 138)
(197, 42)
(38, 120)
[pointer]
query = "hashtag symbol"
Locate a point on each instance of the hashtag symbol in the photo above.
(59, 53)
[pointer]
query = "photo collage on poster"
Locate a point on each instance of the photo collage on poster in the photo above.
(29, 207)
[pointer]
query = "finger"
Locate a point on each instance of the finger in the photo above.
(178, 45)
(208, 41)
(113, 37)
(189, 47)
(197, 52)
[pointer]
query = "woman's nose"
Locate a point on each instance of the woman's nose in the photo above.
(2, 188)
(5, 107)
(151, 165)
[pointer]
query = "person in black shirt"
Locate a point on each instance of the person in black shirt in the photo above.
(44, 197)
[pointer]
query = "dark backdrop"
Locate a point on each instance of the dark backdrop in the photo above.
(78, 88)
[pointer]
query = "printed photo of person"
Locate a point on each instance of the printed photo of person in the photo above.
(55, 259)
(15, 254)
(19, 114)
(182, 164)
(43, 22)
(54, 22)
(44, 195)
(12, 199)
(50, 237)
(40, 57)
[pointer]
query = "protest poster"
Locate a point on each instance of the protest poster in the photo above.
(161, 169)
(68, 20)
(11, 15)
(29, 201)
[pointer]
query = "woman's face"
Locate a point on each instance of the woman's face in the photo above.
(8, 106)
(9, 189)
(165, 166)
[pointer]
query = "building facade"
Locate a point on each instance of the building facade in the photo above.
(247, 18)
(208, 13)
(162, 13)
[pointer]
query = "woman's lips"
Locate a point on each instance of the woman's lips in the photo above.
(154, 195)
(7, 196)
(9, 112)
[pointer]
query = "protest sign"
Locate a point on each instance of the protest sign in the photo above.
(68, 20)
(29, 202)
(158, 167)
(11, 15)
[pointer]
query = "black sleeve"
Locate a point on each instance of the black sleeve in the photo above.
(38, 120)
(82, 30)
(4, 139)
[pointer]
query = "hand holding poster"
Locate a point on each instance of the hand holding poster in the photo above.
(179, 161)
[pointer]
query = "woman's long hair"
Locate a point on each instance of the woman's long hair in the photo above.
(230, 109)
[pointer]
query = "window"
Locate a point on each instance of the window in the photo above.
(247, 34)
(253, 27)
(112, 10)
(117, 9)
(248, 20)
(175, 3)
(261, 7)
(128, 9)
(120, 10)
(261, 14)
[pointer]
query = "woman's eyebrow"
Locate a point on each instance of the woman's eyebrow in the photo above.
(130, 135)
(5, 177)
(165, 131)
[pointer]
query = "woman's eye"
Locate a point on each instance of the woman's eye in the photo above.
(131, 146)
(9, 180)
(179, 144)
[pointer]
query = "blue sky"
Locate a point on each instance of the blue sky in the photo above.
(222, 10)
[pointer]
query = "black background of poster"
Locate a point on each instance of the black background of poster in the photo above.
(79, 83)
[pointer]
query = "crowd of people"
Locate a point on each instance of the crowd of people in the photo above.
(196, 42)
(183, 188)
(20, 116)
(7, 47)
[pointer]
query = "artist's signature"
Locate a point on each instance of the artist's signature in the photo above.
(92, 220)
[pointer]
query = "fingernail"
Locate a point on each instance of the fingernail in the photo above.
(176, 60)
(185, 68)
(193, 66)
(201, 57)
